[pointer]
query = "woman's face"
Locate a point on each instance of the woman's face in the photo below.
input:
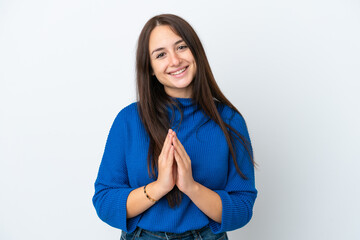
(172, 62)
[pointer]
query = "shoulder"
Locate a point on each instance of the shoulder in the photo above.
(227, 113)
(128, 111)
(231, 116)
(127, 114)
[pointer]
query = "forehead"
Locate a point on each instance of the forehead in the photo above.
(162, 36)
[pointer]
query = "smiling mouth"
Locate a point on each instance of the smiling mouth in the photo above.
(178, 72)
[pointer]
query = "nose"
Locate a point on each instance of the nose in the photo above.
(174, 59)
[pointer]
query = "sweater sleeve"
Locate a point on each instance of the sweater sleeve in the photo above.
(112, 184)
(239, 194)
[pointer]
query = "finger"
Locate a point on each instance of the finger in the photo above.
(171, 153)
(178, 160)
(179, 148)
(166, 146)
(177, 141)
(182, 166)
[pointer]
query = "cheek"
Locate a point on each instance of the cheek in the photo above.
(194, 67)
(158, 68)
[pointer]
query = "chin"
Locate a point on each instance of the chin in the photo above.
(184, 85)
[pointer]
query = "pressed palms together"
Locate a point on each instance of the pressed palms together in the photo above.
(174, 165)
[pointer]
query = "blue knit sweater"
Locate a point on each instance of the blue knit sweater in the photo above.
(124, 168)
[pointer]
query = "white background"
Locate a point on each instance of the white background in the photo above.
(290, 67)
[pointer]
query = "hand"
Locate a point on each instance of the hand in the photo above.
(184, 179)
(167, 165)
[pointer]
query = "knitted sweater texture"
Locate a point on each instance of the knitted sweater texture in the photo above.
(124, 168)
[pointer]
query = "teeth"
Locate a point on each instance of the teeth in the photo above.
(178, 72)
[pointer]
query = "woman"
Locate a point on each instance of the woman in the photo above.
(178, 163)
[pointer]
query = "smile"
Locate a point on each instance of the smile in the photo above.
(179, 71)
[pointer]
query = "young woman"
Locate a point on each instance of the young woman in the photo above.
(178, 163)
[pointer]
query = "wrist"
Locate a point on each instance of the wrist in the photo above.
(193, 189)
(160, 188)
(148, 196)
(155, 191)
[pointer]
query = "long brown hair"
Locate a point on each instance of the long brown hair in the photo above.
(152, 98)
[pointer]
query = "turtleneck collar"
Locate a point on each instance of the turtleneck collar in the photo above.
(185, 102)
(187, 107)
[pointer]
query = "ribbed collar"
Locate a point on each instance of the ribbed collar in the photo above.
(188, 108)
(185, 102)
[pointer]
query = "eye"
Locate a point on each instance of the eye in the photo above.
(181, 47)
(160, 55)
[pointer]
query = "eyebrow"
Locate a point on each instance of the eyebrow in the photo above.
(159, 49)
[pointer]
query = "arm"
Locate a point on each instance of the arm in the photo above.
(116, 203)
(239, 195)
(112, 186)
(137, 202)
(228, 208)
(205, 199)
(208, 201)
